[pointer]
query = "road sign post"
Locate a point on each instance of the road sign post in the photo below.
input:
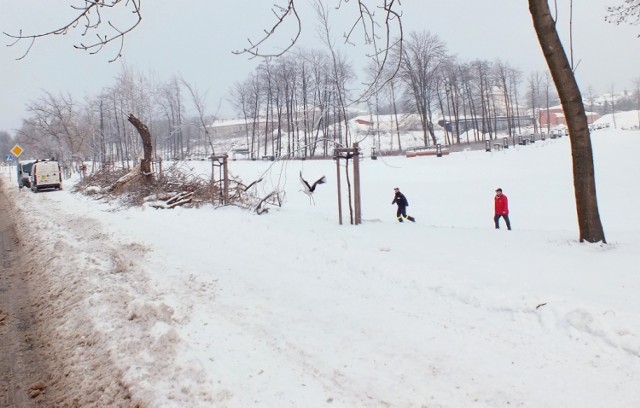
(8, 159)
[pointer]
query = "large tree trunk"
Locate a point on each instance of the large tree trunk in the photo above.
(583, 174)
(147, 147)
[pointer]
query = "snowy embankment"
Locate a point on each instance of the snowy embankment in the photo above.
(222, 307)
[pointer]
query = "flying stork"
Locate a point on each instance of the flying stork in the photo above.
(309, 189)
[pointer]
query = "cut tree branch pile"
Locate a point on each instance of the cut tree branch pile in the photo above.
(172, 201)
(177, 187)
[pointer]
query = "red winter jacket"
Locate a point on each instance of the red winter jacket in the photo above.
(502, 204)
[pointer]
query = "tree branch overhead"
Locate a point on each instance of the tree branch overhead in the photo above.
(88, 17)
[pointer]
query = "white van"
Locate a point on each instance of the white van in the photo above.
(45, 174)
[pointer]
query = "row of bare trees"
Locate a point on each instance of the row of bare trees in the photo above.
(478, 96)
(295, 106)
(97, 128)
(299, 102)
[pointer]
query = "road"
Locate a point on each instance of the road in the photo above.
(24, 377)
(44, 363)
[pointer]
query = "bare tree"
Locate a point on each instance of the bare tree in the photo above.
(6, 141)
(591, 98)
(145, 135)
(340, 71)
(131, 93)
(582, 154)
(393, 86)
(421, 57)
(547, 94)
(613, 106)
(287, 82)
(515, 78)
(627, 12)
(240, 98)
(315, 99)
(92, 19)
(55, 127)
(636, 86)
(502, 71)
(377, 30)
(533, 93)
(469, 105)
(482, 96)
(143, 169)
(282, 14)
(267, 77)
(199, 104)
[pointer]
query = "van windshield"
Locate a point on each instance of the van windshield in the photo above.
(26, 167)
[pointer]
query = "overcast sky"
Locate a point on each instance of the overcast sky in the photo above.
(195, 39)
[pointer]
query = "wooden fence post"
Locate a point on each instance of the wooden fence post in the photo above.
(349, 153)
(356, 183)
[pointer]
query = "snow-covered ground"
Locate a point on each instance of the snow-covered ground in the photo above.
(222, 307)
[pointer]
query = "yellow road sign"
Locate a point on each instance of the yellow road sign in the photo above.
(17, 150)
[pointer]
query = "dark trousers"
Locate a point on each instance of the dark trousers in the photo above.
(402, 213)
(496, 220)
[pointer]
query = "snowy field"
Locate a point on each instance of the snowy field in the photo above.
(222, 307)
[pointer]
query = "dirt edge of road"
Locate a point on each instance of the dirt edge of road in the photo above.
(23, 370)
(43, 366)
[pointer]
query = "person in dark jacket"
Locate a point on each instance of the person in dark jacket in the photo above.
(402, 202)
(501, 209)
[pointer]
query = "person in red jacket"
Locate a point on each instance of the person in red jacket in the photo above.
(501, 209)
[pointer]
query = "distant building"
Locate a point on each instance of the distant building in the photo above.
(363, 122)
(239, 127)
(230, 127)
(554, 116)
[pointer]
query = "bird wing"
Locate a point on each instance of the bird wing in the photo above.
(321, 180)
(306, 185)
